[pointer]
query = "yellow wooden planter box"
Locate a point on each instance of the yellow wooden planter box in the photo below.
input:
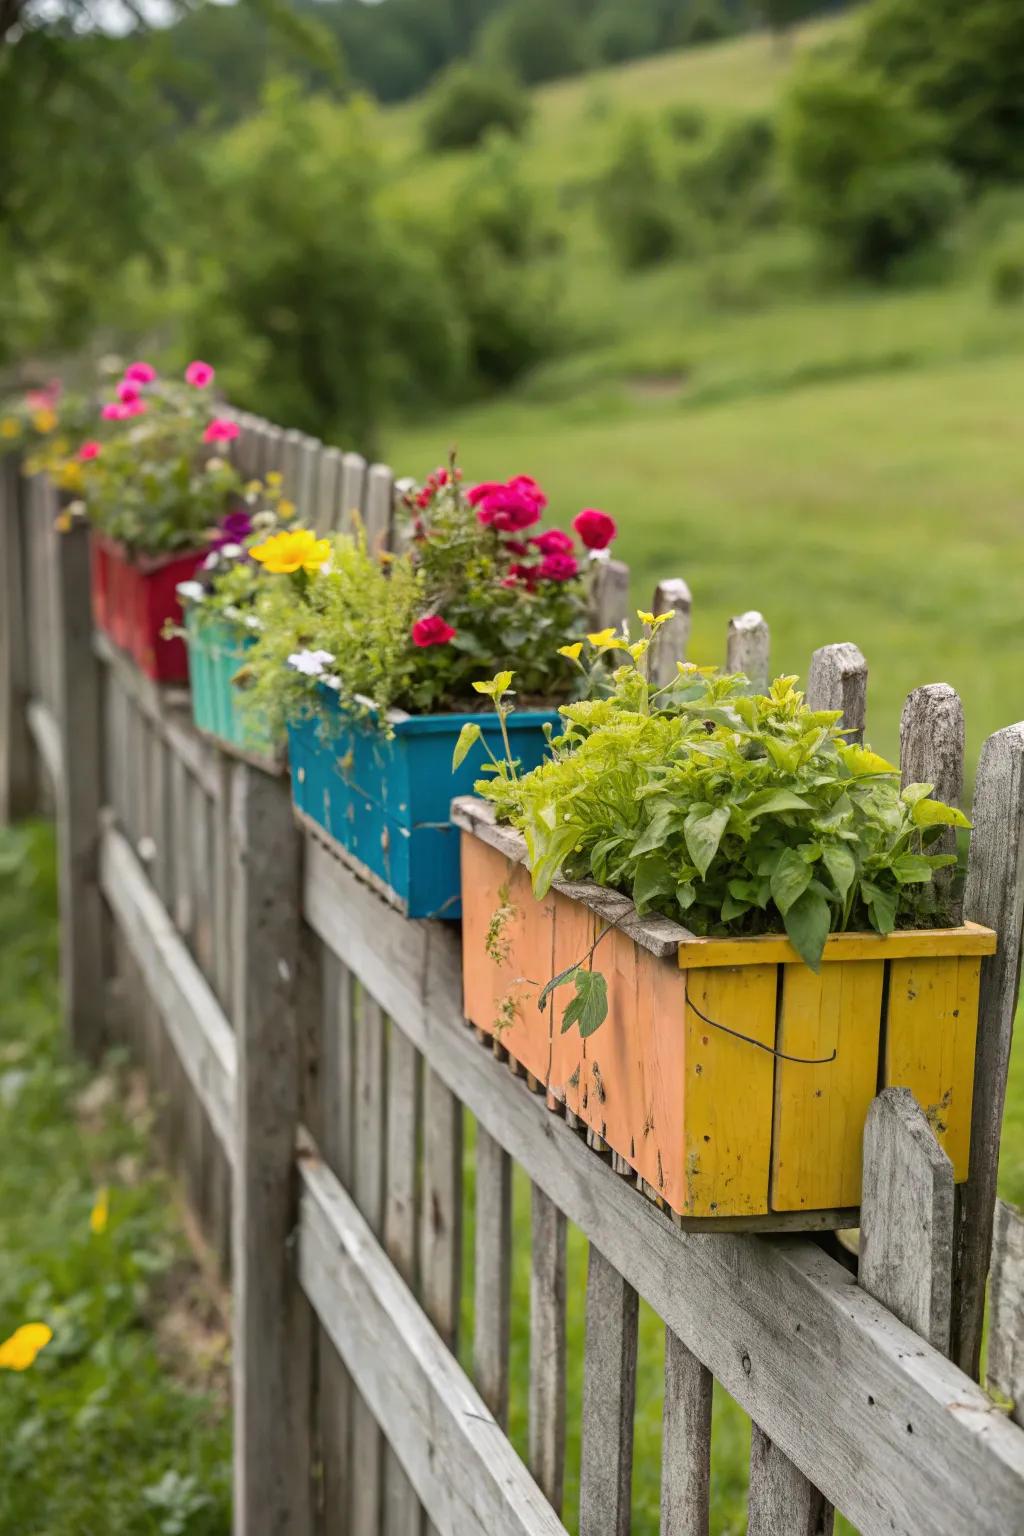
(717, 1126)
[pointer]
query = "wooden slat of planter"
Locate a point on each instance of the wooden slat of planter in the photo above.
(441, 1232)
(462, 1467)
(930, 1036)
(18, 785)
(547, 1347)
(368, 1191)
(685, 1442)
(492, 1296)
(609, 1393)
(820, 1110)
(775, 949)
(724, 1298)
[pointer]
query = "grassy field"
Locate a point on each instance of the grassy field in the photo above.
(121, 1426)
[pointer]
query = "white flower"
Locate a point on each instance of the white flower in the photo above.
(600, 554)
(191, 591)
(310, 663)
(211, 560)
(252, 621)
(231, 551)
(331, 681)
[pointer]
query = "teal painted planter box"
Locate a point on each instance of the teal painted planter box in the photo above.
(385, 802)
(216, 650)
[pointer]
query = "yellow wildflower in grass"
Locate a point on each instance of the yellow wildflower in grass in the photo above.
(286, 553)
(10, 427)
(44, 421)
(99, 1216)
(572, 651)
(19, 1351)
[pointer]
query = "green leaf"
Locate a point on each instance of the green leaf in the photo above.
(915, 792)
(841, 865)
(862, 761)
(912, 868)
(703, 830)
(932, 813)
(665, 820)
(556, 981)
(808, 922)
(881, 906)
(789, 879)
(773, 800)
(468, 737)
(652, 879)
(589, 1008)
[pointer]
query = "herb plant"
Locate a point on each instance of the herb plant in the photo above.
(728, 810)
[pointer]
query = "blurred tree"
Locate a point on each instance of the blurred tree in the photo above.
(536, 40)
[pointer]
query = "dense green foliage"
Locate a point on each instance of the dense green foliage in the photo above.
(467, 102)
(730, 811)
(112, 1429)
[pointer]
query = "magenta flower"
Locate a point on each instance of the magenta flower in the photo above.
(234, 528)
(558, 568)
(198, 374)
(114, 411)
(476, 493)
(140, 373)
(220, 430)
(595, 528)
(89, 450)
(553, 542)
(127, 391)
(133, 408)
(431, 631)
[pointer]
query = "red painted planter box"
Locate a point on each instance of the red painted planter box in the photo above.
(133, 598)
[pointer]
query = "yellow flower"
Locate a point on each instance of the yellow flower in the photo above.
(655, 618)
(10, 427)
(274, 477)
(44, 421)
(285, 510)
(572, 651)
(253, 487)
(286, 553)
(99, 1216)
(70, 477)
(607, 640)
(19, 1351)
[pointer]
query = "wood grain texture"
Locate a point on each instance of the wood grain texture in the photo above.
(353, 481)
(781, 1501)
(18, 783)
(838, 679)
(994, 895)
(906, 1228)
(670, 641)
(202, 1037)
(380, 498)
(609, 1395)
(337, 1116)
(272, 1333)
(932, 752)
(492, 1268)
(441, 1231)
(609, 592)
(748, 648)
(1006, 1309)
(463, 1469)
(546, 1408)
(328, 491)
(367, 1485)
(685, 1443)
(726, 1296)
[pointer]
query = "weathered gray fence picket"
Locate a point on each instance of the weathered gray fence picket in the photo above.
(314, 1081)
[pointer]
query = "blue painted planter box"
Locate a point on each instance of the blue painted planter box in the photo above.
(216, 650)
(385, 803)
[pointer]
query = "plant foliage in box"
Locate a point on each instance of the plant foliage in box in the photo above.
(736, 813)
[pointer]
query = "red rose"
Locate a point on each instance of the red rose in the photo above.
(595, 528)
(516, 547)
(558, 568)
(431, 631)
(553, 542)
(476, 493)
(527, 486)
(527, 574)
(509, 509)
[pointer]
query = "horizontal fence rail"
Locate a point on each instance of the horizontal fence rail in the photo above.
(315, 1086)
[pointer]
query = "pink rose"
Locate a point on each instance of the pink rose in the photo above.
(526, 574)
(127, 391)
(509, 509)
(89, 450)
(221, 430)
(476, 493)
(133, 408)
(553, 542)
(115, 411)
(595, 528)
(558, 568)
(198, 374)
(140, 373)
(431, 631)
(529, 487)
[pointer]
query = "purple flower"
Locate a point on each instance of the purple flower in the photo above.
(234, 528)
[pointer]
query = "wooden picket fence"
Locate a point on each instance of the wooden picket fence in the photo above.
(314, 1081)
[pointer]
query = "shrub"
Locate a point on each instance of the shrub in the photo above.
(637, 202)
(898, 209)
(728, 175)
(1006, 267)
(536, 40)
(467, 101)
(623, 29)
(686, 122)
(704, 21)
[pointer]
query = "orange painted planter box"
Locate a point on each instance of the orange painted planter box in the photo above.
(682, 1079)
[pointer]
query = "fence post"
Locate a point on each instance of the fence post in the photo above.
(78, 793)
(272, 1322)
(18, 782)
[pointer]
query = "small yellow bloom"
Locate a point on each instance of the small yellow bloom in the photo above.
(655, 618)
(607, 640)
(639, 649)
(44, 421)
(254, 487)
(99, 1216)
(19, 1351)
(285, 509)
(572, 651)
(286, 553)
(10, 427)
(70, 476)
(274, 477)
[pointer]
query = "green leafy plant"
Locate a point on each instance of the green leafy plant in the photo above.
(229, 580)
(731, 811)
